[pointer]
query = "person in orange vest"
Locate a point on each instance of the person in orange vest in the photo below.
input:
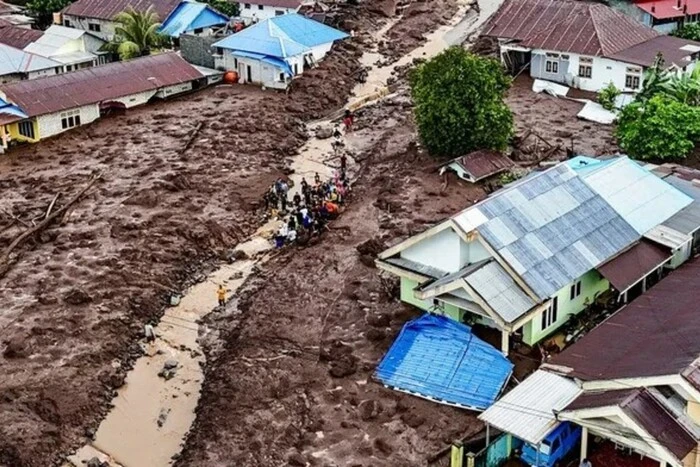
(221, 295)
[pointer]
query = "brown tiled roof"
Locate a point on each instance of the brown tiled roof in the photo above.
(481, 164)
(655, 335)
(108, 9)
(631, 266)
(17, 37)
(275, 3)
(93, 85)
(566, 26)
(644, 54)
(647, 412)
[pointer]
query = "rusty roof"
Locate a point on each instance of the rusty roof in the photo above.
(655, 335)
(108, 9)
(17, 37)
(484, 163)
(629, 267)
(676, 51)
(567, 26)
(93, 85)
(593, 400)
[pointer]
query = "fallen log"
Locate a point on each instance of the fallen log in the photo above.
(5, 258)
(191, 138)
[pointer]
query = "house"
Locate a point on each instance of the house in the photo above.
(72, 48)
(665, 16)
(14, 15)
(583, 45)
(97, 16)
(17, 36)
(55, 104)
(529, 256)
(273, 51)
(633, 380)
(478, 165)
(259, 10)
(193, 18)
(18, 65)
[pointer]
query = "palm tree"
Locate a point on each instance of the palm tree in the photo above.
(136, 34)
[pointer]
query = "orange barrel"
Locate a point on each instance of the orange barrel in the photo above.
(231, 77)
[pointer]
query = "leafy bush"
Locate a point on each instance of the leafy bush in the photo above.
(459, 105)
(43, 10)
(660, 128)
(224, 6)
(607, 96)
(689, 31)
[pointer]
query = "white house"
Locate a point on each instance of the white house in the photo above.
(580, 44)
(253, 11)
(273, 51)
(74, 49)
(18, 65)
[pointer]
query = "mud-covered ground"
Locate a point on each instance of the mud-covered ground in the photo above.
(75, 298)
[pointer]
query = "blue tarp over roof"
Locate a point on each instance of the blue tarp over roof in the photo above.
(282, 36)
(10, 109)
(440, 359)
(189, 16)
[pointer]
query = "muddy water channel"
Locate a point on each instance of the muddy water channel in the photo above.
(151, 415)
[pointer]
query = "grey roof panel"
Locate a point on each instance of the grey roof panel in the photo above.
(418, 268)
(687, 220)
(500, 291)
(454, 276)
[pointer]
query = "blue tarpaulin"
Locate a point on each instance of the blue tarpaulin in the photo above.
(442, 360)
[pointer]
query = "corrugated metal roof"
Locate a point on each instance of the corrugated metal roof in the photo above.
(551, 228)
(13, 60)
(462, 273)
(108, 9)
(640, 197)
(672, 49)
(687, 220)
(277, 3)
(282, 36)
(597, 399)
(629, 267)
(667, 236)
(655, 335)
(416, 267)
(482, 164)
(500, 291)
(53, 39)
(527, 412)
(17, 37)
(440, 359)
(98, 84)
(189, 16)
(565, 26)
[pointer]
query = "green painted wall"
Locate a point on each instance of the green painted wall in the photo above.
(592, 283)
(407, 296)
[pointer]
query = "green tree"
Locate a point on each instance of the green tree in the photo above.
(684, 87)
(458, 103)
(654, 80)
(607, 96)
(660, 128)
(224, 6)
(136, 33)
(43, 10)
(689, 31)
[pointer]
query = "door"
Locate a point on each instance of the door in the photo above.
(249, 73)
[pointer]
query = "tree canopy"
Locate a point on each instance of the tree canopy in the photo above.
(224, 6)
(43, 10)
(136, 33)
(458, 103)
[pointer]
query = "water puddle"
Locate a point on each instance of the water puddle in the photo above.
(151, 415)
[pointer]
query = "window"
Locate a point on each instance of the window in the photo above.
(282, 77)
(575, 290)
(632, 81)
(58, 70)
(26, 128)
(235, 63)
(279, 12)
(549, 316)
(94, 27)
(551, 66)
(219, 51)
(246, 6)
(585, 67)
(70, 119)
(296, 68)
(66, 23)
(199, 30)
(260, 7)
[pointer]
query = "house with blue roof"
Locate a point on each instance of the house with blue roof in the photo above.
(543, 249)
(274, 51)
(191, 17)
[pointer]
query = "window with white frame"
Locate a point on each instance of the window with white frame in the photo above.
(585, 67)
(549, 316)
(633, 78)
(551, 66)
(94, 27)
(70, 119)
(575, 290)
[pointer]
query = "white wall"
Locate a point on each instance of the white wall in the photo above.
(133, 100)
(41, 73)
(261, 73)
(106, 27)
(175, 89)
(50, 124)
(441, 251)
(248, 14)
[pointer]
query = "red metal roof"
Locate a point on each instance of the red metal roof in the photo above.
(275, 3)
(655, 335)
(666, 9)
(108, 9)
(17, 37)
(670, 47)
(566, 26)
(628, 268)
(481, 164)
(93, 85)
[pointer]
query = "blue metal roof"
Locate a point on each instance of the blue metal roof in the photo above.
(11, 109)
(189, 16)
(282, 36)
(440, 359)
(276, 62)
